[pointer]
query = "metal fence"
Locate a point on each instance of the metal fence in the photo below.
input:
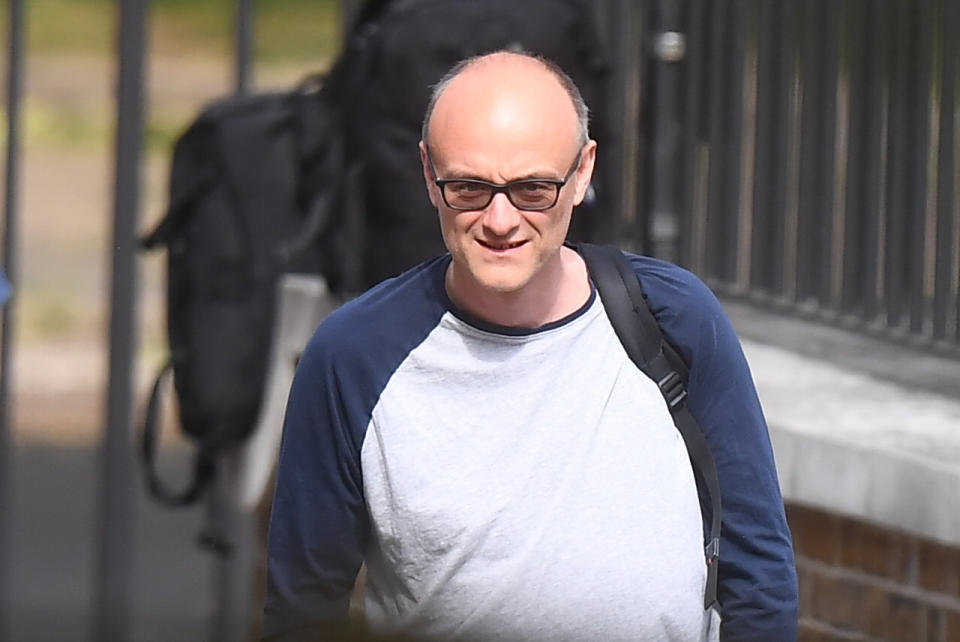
(816, 159)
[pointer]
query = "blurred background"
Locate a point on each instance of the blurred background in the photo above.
(59, 350)
(799, 157)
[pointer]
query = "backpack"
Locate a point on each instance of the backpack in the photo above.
(408, 45)
(254, 183)
(324, 179)
(648, 348)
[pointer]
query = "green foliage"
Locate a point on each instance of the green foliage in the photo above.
(284, 29)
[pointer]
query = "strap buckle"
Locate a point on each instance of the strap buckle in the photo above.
(673, 389)
(712, 551)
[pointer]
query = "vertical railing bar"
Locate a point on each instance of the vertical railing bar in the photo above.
(729, 238)
(626, 79)
(955, 270)
(716, 185)
(692, 96)
(702, 152)
(648, 134)
(915, 214)
(875, 202)
(839, 187)
(725, 130)
(897, 149)
(17, 28)
(783, 137)
(823, 265)
(955, 258)
(113, 595)
(951, 24)
(788, 271)
(631, 29)
(765, 151)
(243, 43)
(809, 218)
(747, 150)
(950, 18)
(662, 130)
(604, 18)
(858, 186)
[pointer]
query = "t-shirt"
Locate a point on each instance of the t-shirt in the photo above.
(499, 483)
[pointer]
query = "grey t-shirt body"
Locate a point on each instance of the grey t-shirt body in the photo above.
(530, 486)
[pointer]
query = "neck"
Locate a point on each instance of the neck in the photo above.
(558, 289)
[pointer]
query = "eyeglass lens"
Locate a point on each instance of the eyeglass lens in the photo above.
(532, 195)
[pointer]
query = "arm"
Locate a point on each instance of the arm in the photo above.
(318, 524)
(757, 576)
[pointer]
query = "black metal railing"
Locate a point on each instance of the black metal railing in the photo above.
(818, 165)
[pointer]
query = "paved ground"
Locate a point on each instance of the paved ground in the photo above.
(54, 557)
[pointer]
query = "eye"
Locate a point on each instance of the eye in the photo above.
(531, 188)
(465, 188)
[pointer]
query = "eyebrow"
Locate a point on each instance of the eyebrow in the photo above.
(464, 175)
(535, 175)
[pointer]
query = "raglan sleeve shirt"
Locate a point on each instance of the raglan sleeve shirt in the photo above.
(320, 525)
(757, 576)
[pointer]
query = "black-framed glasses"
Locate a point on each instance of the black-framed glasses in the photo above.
(530, 194)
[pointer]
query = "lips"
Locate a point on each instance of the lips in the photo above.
(500, 247)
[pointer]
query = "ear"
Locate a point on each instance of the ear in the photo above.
(428, 176)
(585, 171)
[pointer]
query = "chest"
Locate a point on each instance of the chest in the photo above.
(476, 432)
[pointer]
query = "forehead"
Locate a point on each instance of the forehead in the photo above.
(508, 108)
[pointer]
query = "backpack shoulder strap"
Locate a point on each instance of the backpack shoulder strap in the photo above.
(204, 461)
(641, 336)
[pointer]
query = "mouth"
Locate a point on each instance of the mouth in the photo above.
(501, 246)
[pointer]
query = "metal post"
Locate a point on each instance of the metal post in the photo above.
(898, 140)
(875, 202)
(774, 68)
(921, 44)
(691, 174)
(946, 167)
(858, 63)
(14, 91)
(665, 51)
(113, 607)
(230, 534)
(244, 45)
(725, 99)
(623, 32)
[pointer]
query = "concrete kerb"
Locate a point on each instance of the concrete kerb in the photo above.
(850, 443)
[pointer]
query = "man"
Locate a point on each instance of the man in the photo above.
(474, 431)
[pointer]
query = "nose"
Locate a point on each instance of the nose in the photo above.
(500, 218)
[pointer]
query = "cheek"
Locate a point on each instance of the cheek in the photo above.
(551, 226)
(453, 226)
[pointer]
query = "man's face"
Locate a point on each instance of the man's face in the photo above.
(507, 124)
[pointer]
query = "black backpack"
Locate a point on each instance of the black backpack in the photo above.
(407, 46)
(322, 179)
(254, 186)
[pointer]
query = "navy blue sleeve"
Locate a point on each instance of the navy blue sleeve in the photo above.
(318, 525)
(757, 575)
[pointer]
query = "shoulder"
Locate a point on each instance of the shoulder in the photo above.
(378, 328)
(668, 285)
(686, 308)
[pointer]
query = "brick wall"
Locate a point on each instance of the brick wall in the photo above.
(863, 582)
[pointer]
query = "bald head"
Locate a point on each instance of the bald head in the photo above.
(503, 74)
